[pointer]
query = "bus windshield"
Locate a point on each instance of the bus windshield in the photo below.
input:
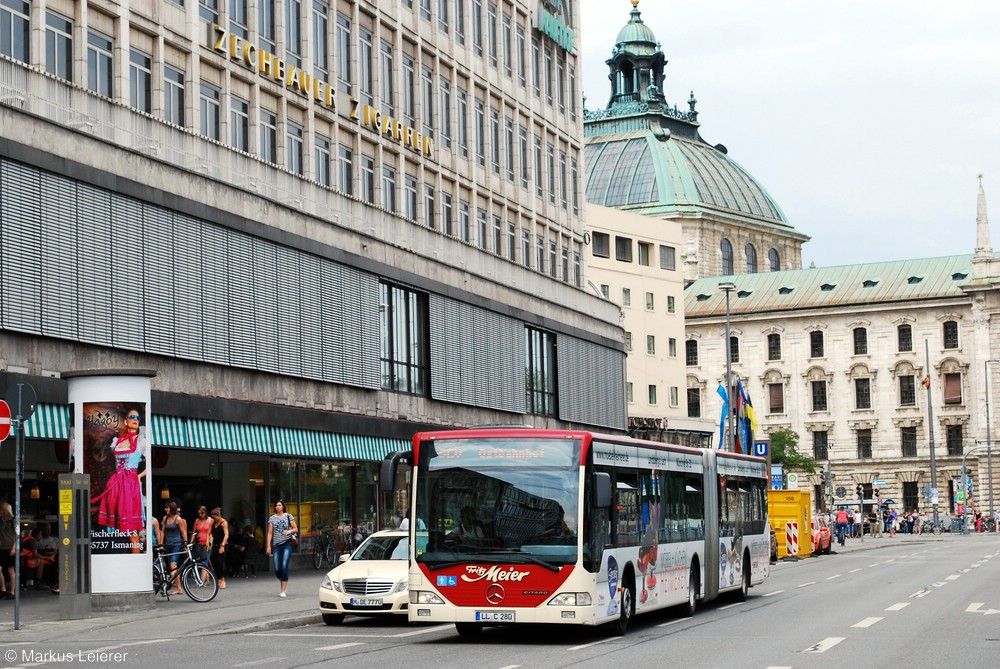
(499, 501)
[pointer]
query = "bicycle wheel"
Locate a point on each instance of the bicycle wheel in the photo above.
(318, 552)
(199, 583)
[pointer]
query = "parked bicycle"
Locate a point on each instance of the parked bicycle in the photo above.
(324, 551)
(196, 576)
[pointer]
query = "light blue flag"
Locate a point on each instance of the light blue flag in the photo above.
(725, 414)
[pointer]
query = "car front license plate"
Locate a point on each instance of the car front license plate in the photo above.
(365, 601)
(494, 616)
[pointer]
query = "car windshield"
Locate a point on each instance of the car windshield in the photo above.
(499, 501)
(382, 548)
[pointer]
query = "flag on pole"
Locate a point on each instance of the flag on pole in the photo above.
(725, 414)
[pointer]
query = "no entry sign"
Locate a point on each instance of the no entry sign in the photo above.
(4, 420)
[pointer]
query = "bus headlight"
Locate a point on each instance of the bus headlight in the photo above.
(424, 597)
(571, 599)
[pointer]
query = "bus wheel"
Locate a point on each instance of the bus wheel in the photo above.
(692, 602)
(468, 629)
(620, 626)
(744, 591)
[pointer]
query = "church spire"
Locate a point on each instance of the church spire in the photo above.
(984, 251)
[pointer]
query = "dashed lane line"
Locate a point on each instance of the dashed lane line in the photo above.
(824, 645)
(898, 607)
(339, 646)
(867, 622)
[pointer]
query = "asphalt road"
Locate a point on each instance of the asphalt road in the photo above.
(909, 605)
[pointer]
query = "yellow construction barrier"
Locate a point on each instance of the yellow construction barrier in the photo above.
(791, 506)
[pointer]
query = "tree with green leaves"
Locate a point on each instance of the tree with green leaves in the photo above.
(785, 452)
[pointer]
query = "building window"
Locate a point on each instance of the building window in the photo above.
(815, 344)
(345, 169)
(628, 392)
(751, 256)
(448, 216)
(209, 10)
(644, 250)
(650, 302)
(425, 9)
(694, 402)
(293, 32)
(321, 43)
(650, 344)
(776, 397)
(173, 96)
(389, 188)
(623, 249)
(343, 46)
(727, 256)
(904, 337)
(366, 84)
(141, 82)
(209, 110)
(863, 393)
(267, 26)
(239, 123)
(410, 197)
(734, 349)
(322, 158)
(491, 32)
(626, 297)
(268, 149)
(668, 258)
(100, 72)
(368, 179)
(908, 441)
(479, 126)
(495, 140)
(385, 74)
(774, 260)
(427, 90)
(403, 347)
(907, 391)
(601, 244)
(628, 341)
(429, 206)
(295, 151)
(605, 288)
(58, 45)
(950, 332)
(672, 347)
(955, 436)
(821, 451)
(443, 15)
(465, 225)
(522, 140)
(860, 341)
(540, 372)
(671, 304)
(774, 346)
(818, 395)
(691, 352)
(15, 24)
(864, 444)
(953, 388)
(652, 395)
(444, 113)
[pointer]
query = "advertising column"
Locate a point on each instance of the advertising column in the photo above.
(110, 418)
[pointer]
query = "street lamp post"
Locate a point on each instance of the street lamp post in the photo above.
(729, 286)
(989, 443)
(930, 432)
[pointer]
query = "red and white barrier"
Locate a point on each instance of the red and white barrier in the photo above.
(792, 537)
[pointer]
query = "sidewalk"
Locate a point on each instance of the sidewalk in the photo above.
(246, 604)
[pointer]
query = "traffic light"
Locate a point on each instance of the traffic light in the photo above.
(875, 493)
(860, 490)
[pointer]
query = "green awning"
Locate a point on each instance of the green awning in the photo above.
(49, 421)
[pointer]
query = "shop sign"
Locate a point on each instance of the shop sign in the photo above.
(550, 20)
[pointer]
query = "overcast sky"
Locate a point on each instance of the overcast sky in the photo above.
(867, 121)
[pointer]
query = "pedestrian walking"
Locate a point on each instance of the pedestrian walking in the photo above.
(220, 542)
(842, 519)
(281, 530)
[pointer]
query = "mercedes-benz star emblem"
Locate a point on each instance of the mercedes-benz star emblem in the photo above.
(494, 594)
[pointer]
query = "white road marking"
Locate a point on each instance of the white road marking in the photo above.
(511, 666)
(940, 584)
(952, 577)
(974, 608)
(921, 593)
(588, 645)
(674, 622)
(803, 585)
(824, 645)
(854, 570)
(898, 607)
(424, 630)
(728, 606)
(830, 578)
(867, 622)
(253, 663)
(338, 646)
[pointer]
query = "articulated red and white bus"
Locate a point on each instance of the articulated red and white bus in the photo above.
(512, 525)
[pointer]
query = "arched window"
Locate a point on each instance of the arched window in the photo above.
(905, 337)
(950, 330)
(772, 257)
(727, 256)
(751, 253)
(691, 352)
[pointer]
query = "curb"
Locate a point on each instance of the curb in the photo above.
(269, 625)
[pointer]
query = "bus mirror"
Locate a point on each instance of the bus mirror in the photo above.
(387, 475)
(602, 490)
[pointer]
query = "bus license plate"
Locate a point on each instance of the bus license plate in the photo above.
(365, 601)
(494, 616)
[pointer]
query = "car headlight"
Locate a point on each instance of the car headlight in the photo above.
(402, 586)
(330, 584)
(424, 597)
(571, 599)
